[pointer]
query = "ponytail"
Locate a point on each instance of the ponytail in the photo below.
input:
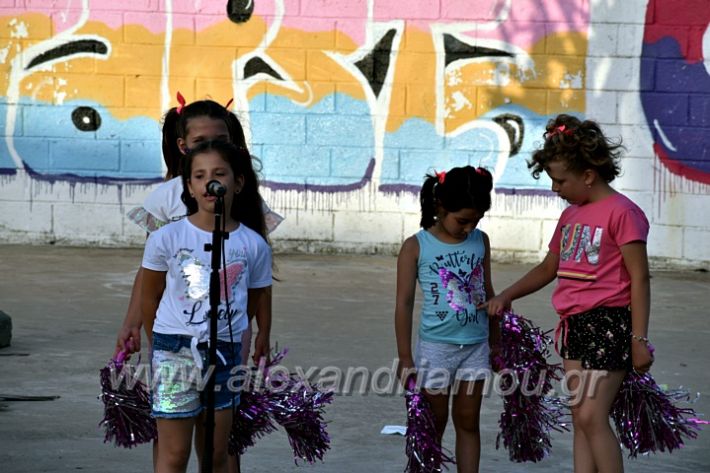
(171, 152)
(427, 200)
(236, 132)
(484, 180)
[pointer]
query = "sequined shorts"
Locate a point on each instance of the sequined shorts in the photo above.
(178, 384)
(600, 339)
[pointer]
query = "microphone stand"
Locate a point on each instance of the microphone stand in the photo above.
(216, 248)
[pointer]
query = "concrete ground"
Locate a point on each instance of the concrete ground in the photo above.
(331, 311)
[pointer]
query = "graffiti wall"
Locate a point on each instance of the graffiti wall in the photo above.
(347, 105)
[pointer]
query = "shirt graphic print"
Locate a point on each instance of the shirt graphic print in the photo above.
(196, 276)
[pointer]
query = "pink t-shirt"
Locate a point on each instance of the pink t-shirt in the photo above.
(588, 239)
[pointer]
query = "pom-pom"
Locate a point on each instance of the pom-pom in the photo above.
(299, 410)
(127, 412)
(528, 415)
(251, 421)
(276, 397)
(648, 419)
(424, 451)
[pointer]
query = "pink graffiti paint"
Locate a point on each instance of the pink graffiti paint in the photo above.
(522, 24)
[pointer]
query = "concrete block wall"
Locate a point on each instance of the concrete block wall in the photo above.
(656, 103)
(348, 104)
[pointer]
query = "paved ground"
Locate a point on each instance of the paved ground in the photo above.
(66, 305)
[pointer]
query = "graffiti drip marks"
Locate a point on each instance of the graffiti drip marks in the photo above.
(456, 50)
(240, 11)
(256, 66)
(375, 65)
(86, 119)
(69, 49)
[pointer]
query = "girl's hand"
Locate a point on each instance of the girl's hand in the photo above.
(129, 340)
(641, 356)
(405, 369)
(497, 305)
(262, 347)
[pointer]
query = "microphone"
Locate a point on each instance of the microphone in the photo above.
(215, 188)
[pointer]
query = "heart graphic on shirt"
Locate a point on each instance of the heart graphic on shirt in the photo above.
(197, 276)
(233, 274)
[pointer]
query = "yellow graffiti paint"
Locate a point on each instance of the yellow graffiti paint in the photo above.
(126, 80)
(473, 89)
(201, 65)
(551, 73)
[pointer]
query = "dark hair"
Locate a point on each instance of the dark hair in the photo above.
(247, 206)
(581, 145)
(175, 126)
(459, 188)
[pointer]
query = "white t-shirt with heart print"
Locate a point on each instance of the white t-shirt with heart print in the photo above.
(179, 249)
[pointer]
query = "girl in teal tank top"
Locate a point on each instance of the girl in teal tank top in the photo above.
(451, 277)
(450, 258)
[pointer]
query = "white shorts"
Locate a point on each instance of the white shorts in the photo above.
(440, 364)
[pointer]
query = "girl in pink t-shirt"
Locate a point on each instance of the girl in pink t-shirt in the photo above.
(598, 255)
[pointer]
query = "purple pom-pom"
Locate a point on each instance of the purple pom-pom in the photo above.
(528, 415)
(251, 421)
(424, 451)
(287, 400)
(299, 410)
(127, 412)
(647, 418)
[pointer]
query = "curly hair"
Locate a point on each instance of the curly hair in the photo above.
(459, 188)
(581, 145)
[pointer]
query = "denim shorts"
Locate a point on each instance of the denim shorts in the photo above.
(439, 365)
(178, 384)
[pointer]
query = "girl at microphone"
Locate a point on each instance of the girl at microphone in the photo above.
(175, 300)
(184, 127)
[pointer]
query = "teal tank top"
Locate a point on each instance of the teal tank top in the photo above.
(452, 281)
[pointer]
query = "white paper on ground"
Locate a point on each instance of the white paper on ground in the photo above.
(394, 430)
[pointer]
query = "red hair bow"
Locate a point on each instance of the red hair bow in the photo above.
(440, 176)
(181, 101)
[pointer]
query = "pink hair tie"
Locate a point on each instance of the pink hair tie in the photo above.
(560, 129)
(441, 176)
(181, 101)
